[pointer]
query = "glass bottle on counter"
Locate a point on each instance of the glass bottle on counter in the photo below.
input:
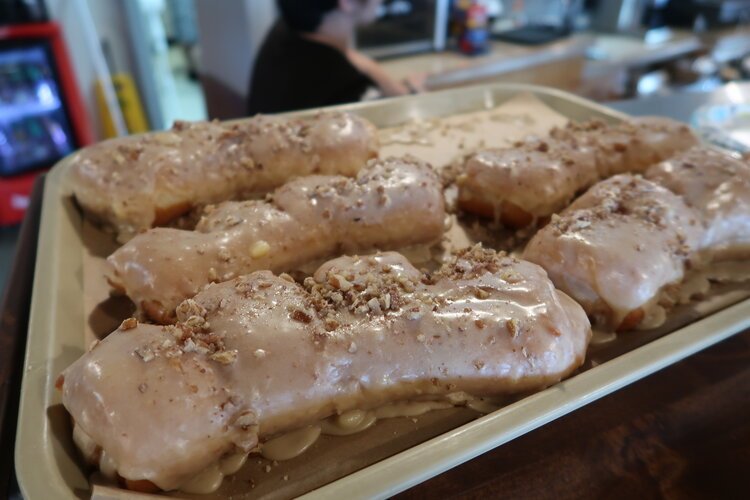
(470, 26)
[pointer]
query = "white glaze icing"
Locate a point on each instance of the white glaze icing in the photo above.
(349, 422)
(618, 246)
(391, 203)
(132, 182)
(291, 444)
(717, 186)
(392, 337)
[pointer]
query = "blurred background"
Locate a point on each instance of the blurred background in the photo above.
(73, 72)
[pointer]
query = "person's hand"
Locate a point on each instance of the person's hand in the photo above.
(362, 62)
(416, 82)
(387, 85)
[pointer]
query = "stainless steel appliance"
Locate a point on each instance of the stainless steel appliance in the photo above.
(536, 22)
(406, 26)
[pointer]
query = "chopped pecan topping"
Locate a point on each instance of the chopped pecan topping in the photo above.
(301, 316)
(129, 324)
(224, 357)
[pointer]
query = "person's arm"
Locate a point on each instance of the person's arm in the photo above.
(387, 85)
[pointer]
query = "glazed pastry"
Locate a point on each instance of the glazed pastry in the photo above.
(134, 183)
(392, 203)
(261, 355)
(617, 246)
(717, 186)
(527, 183)
(630, 146)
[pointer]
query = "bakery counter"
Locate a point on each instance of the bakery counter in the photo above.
(682, 105)
(573, 63)
(628, 52)
(557, 64)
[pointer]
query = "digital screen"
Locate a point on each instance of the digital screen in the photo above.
(34, 128)
(399, 22)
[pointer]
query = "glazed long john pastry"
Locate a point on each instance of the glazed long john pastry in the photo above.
(618, 247)
(717, 186)
(133, 183)
(391, 204)
(525, 184)
(261, 355)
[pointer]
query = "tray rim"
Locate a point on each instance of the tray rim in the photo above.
(39, 478)
(453, 448)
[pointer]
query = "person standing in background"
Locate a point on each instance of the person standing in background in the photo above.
(308, 58)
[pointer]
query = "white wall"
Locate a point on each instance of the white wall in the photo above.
(230, 31)
(261, 15)
(109, 23)
(230, 34)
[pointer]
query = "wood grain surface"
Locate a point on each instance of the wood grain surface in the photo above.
(683, 432)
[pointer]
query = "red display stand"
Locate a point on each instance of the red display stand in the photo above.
(16, 188)
(15, 192)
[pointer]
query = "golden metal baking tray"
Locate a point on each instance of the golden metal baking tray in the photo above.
(396, 453)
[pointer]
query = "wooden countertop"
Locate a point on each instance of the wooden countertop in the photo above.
(681, 433)
(451, 68)
(629, 51)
